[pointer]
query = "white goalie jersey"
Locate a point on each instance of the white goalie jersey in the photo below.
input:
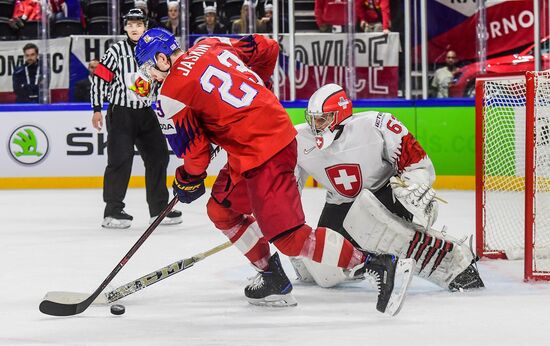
(372, 147)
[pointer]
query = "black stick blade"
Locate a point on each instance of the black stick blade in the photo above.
(52, 308)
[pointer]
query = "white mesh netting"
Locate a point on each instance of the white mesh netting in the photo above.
(541, 232)
(504, 168)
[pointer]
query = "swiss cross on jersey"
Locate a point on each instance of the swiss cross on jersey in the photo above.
(346, 179)
(319, 141)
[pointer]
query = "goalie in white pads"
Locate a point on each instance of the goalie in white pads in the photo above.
(378, 178)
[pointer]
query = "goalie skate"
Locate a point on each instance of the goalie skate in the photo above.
(467, 280)
(271, 287)
(404, 274)
(392, 277)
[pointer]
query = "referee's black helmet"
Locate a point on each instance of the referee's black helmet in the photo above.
(135, 14)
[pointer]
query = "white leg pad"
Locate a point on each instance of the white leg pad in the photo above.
(325, 274)
(301, 271)
(322, 274)
(439, 257)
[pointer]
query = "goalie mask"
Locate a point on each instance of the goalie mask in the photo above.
(327, 110)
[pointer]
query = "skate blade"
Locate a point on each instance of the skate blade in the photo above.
(403, 273)
(167, 221)
(276, 300)
(109, 222)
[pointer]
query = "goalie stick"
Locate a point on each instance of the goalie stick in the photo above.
(138, 284)
(56, 308)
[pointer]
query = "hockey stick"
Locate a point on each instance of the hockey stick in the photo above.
(138, 284)
(56, 308)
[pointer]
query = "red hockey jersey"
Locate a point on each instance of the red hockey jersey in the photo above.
(215, 93)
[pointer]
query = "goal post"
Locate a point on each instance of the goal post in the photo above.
(513, 170)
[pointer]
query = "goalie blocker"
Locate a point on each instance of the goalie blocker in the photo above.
(440, 258)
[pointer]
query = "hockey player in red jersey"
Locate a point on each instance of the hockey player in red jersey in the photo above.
(215, 93)
(378, 177)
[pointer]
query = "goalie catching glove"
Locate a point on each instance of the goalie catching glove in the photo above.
(413, 190)
(188, 187)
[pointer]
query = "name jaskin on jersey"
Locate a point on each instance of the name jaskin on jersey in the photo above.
(187, 63)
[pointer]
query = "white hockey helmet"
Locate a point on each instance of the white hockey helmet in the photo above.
(327, 108)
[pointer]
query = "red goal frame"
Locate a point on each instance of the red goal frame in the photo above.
(529, 194)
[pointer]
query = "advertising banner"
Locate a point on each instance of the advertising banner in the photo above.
(11, 57)
(452, 25)
(321, 59)
(62, 144)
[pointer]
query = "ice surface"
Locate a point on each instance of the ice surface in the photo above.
(51, 240)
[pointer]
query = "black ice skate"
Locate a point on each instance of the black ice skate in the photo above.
(384, 269)
(467, 280)
(172, 218)
(117, 220)
(271, 287)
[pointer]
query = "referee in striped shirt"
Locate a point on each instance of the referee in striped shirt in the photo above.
(130, 121)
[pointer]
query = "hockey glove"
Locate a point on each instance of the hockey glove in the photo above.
(142, 87)
(188, 187)
(416, 195)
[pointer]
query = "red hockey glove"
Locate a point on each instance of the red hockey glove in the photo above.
(188, 187)
(142, 87)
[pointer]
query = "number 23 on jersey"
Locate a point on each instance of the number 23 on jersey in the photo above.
(230, 60)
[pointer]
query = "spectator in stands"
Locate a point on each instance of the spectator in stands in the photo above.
(151, 22)
(173, 21)
(241, 26)
(26, 78)
(57, 9)
(374, 15)
(25, 11)
(331, 15)
(82, 87)
(445, 76)
(211, 24)
(266, 23)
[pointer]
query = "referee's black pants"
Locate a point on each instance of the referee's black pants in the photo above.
(127, 127)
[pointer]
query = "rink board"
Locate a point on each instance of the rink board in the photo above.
(55, 146)
(62, 149)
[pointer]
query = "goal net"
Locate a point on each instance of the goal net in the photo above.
(513, 170)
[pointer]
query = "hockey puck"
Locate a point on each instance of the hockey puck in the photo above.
(118, 309)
